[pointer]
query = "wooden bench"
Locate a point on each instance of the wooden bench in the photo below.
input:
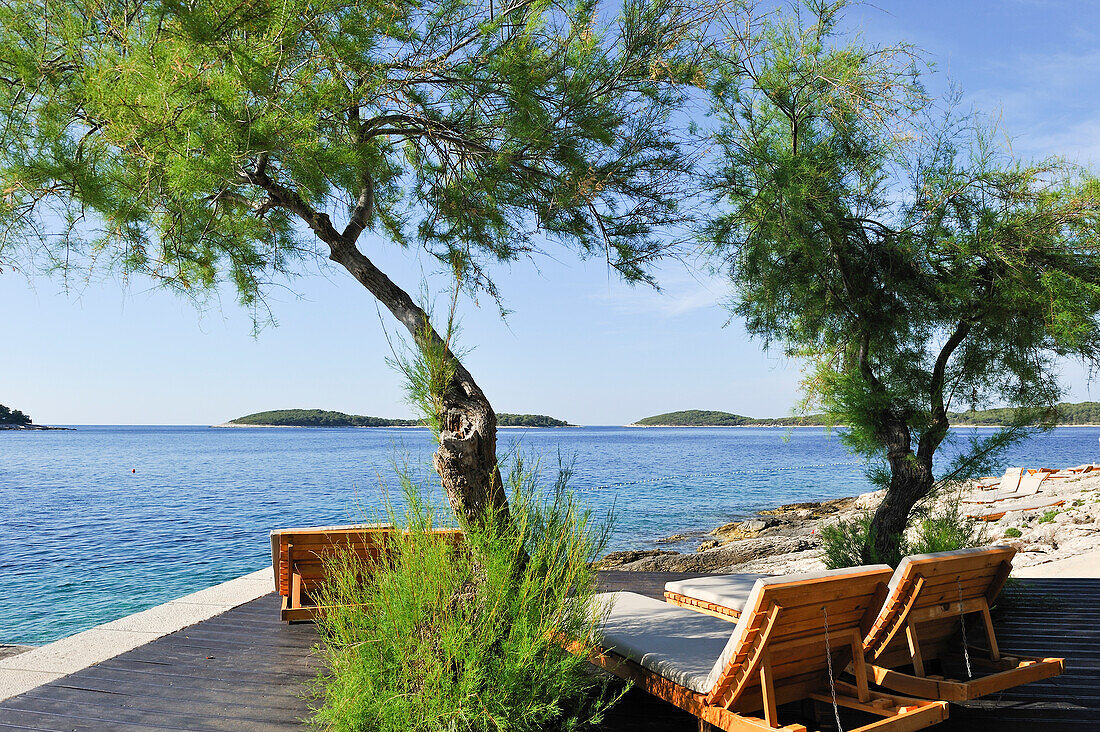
(298, 559)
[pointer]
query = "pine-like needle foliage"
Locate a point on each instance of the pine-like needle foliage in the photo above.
(198, 142)
(468, 638)
(911, 261)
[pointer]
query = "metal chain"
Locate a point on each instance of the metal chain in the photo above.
(829, 660)
(962, 621)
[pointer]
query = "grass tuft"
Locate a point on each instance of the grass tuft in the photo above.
(466, 638)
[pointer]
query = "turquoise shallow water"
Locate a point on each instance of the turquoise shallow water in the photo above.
(83, 540)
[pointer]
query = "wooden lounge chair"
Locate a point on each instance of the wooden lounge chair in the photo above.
(927, 618)
(297, 559)
(779, 651)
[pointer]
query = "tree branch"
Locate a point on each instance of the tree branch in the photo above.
(934, 435)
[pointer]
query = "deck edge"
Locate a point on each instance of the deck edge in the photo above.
(27, 670)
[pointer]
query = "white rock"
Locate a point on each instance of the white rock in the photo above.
(870, 500)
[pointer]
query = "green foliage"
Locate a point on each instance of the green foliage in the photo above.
(318, 418)
(846, 543)
(214, 142)
(940, 527)
(944, 527)
(1048, 516)
(529, 420)
(466, 639)
(429, 363)
(13, 416)
(1013, 533)
(703, 418)
(904, 255)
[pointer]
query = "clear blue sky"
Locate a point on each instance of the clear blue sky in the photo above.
(578, 345)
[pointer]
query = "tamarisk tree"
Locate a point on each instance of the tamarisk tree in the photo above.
(203, 143)
(912, 264)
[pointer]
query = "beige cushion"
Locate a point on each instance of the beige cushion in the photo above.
(679, 644)
(728, 590)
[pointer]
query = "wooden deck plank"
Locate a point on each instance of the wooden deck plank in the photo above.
(246, 670)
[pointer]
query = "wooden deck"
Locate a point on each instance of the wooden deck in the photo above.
(246, 670)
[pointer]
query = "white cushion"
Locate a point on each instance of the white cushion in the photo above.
(679, 644)
(728, 590)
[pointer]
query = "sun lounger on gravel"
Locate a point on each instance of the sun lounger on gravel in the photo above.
(998, 511)
(928, 619)
(1027, 485)
(794, 633)
(297, 557)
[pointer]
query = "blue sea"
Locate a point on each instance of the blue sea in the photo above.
(105, 521)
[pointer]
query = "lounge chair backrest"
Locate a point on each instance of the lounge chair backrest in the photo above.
(1011, 480)
(301, 551)
(783, 626)
(934, 589)
(1030, 482)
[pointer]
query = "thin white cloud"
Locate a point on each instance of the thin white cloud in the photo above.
(681, 292)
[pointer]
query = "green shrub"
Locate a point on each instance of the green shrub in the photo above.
(1048, 516)
(1013, 533)
(847, 543)
(439, 638)
(944, 528)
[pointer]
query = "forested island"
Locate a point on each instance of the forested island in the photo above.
(707, 418)
(13, 419)
(325, 418)
(1082, 413)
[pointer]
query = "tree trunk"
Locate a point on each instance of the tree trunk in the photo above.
(467, 456)
(910, 481)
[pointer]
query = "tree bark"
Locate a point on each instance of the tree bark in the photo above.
(467, 456)
(911, 480)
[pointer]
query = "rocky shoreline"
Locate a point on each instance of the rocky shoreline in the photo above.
(787, 539)
(34, 427)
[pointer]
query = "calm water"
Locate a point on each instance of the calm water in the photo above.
(84, 540)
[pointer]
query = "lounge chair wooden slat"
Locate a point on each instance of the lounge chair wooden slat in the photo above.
(298, 559)
(776, 654)
(930, 596)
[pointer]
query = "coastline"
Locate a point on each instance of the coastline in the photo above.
(1055, 532)
(35, 428)
(815, 426)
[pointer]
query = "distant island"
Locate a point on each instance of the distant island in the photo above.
(325, 418)
(13, 419)
(1082, 413)
(705, 418)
